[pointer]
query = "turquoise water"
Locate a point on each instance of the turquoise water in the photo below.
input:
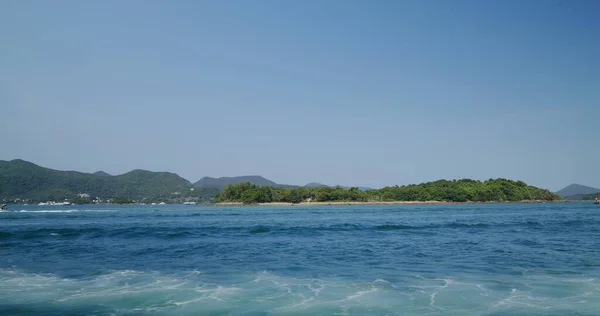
(517, 259)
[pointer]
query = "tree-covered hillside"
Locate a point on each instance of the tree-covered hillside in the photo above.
(28, 181)
(497, 190)
(223, 181)
(583, 197)
(208, 182)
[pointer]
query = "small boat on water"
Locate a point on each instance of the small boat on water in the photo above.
(596, 201)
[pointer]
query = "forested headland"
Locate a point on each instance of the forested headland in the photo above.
(25, 182)
(464, 190)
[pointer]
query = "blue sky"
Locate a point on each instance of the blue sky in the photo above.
(341, 92)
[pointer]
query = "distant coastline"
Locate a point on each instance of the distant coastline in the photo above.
(386, 203)
(22, 182)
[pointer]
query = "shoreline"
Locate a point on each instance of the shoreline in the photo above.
(384, 203)
(338, 203)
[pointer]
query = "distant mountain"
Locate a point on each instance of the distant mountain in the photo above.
(25, 180)
(101, 173)
(319, 185)
(315, 185)
(576, 189)
(208, 182)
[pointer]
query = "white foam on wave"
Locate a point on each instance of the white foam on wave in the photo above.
(126, 291)
(63, 211)
(518, 299)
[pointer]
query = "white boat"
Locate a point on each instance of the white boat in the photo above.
(66, 203)
(162, 203)
(153, 204)
(42, 203)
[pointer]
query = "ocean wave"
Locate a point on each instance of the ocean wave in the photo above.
(190, 231)
(63, 232)
(453, 225)
(396, 227)
(62, 211)
(259, 230)
(134, 292)
(5, 235)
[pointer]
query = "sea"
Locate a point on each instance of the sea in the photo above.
(486, 259)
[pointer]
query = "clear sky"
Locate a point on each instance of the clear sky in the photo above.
(344, 92)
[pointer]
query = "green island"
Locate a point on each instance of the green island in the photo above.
(459, 191)
(23, 182)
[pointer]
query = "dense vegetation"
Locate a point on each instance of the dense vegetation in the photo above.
(28, 182)
(583, 197)
(121, 200)
(464, 190)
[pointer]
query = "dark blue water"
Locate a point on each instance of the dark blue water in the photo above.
(517, 259)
